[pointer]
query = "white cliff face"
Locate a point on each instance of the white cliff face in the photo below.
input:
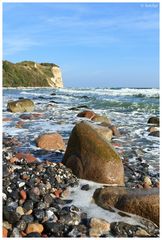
(56, 80)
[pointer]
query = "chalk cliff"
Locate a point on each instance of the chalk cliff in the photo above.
(31, 74)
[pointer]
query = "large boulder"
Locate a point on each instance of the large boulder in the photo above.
(50, 141)
(142, 202)
(91, 157)
(22, 105)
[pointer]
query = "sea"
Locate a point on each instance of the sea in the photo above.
(128, 108)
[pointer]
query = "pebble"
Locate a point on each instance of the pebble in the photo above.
(20, 210)
(99, 227)
(7, 225)
(23, 194)
(39, 214)
(28, 205)
(15, 233)
(34, 227)
(5, 232)
(85, 187)
(28, 218)
(21, 225)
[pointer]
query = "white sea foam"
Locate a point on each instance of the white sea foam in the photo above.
(84, 200)
(153, 92)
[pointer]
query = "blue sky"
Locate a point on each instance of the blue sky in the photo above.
(95, 44)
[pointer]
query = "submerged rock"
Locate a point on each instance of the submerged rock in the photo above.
(91, 157)
(23, 105)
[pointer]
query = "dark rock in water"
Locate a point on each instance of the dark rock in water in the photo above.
(85, 97)
(33, 235)
(52, 101)
(78, 107)
(85, 187)
(53, 94)
(82, 106)
(155, 134)
(87, 148)
(154, 120)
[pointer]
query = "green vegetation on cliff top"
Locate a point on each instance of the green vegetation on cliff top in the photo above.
(26, 74)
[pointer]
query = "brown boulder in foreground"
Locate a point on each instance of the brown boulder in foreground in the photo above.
(50, 141)
(142, 202)
(91, 157)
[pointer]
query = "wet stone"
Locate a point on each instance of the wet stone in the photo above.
(28, 205)
(28, 218)
(15, 233)
(7, 225)
(21, 225)
(10, 216)
(85, 187)
(78, 231)
(39, 214)
(50, 214)
(48, 200)
(40, 205)
(55, 229)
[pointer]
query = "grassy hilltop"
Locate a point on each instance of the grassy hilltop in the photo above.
(26, 74)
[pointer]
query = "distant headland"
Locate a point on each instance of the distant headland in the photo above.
(31, 74)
